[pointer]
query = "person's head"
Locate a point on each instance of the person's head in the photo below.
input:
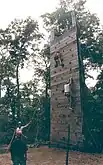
(19, 124)
(18, 133)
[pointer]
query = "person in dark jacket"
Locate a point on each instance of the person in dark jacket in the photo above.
(18, 150)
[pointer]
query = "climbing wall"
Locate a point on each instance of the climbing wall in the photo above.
(65, 65)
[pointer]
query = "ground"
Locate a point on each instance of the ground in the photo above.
(45, 156)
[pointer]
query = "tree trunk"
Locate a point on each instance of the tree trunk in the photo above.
(13, 108)
(11, 101)
(18, 92)
(0, 88)
(46, 82)
(46, 91)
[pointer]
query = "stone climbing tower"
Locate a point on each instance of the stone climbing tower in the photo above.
(65, 66)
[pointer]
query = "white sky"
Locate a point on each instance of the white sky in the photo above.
(10, 9)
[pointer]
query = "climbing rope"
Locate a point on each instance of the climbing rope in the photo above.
(11, 141)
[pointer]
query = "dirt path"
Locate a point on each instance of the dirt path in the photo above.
(45, 156)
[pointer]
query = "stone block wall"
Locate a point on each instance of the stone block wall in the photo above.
(65, 47)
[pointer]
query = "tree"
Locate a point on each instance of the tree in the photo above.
(43, 71)
(7, 73)
(98, 92)
(21, 38)
(43, 68)
(20, 42)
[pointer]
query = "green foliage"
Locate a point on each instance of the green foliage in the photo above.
(19, 40)
(43, 68)
(19, 43)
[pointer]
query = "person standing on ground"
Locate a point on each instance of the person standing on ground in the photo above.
(19, 130)
(18, 150)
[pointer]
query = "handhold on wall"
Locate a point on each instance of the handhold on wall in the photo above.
(62, 116)
(58, 103)
(72, 110)
(74, 42)
(63, 91)
(62, 65)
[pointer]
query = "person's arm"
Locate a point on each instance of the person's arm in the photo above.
(26, 125)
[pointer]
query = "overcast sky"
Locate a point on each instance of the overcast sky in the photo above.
(10, 9)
